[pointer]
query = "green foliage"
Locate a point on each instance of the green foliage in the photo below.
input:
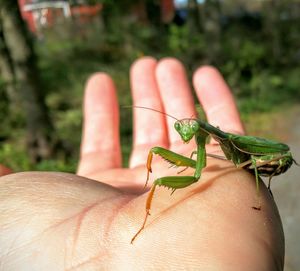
(69, 53)
(18, 160)
(13, 157)
(57, 165)
(249, 55)
(178, 38)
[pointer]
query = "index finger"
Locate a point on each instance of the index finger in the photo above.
(149, 128)
(217, 100)
(100, 138)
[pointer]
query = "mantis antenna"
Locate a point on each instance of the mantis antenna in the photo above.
(152, 109)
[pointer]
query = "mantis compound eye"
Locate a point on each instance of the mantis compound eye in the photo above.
(177, 125)
(195, 126)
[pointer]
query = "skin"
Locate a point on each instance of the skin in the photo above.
(58, 221)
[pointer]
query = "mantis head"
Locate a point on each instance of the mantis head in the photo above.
(187, 128)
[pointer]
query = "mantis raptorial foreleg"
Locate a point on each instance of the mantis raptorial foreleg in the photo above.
(175, 182)
(171, 157)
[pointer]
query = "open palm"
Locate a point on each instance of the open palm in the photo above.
(58, 221)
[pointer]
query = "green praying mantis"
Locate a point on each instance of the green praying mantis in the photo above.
(260, 156)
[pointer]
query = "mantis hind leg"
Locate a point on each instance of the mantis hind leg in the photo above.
(258, 206)
(269, 188)
(173, 182)
(269, 184)
(270, 178)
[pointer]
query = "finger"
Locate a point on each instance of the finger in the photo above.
(217, 100)
(176, 95)
(100, 148)
(149, 128)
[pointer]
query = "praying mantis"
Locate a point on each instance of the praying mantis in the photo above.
(260, 156)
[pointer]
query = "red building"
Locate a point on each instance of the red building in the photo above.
(40, 14)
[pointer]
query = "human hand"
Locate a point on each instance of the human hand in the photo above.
(56, 221)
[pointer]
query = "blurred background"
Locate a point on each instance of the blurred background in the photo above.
(48, 49)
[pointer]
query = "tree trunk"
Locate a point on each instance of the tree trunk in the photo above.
(212, 29)
(27, 82)
(272, 28)
(194, 18)
(7, 73)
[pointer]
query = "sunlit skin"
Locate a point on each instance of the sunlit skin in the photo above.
(58, 221)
